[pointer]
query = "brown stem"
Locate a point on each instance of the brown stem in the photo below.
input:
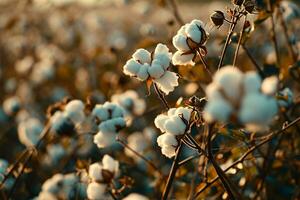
(228, 186)
(151, 164)
(266, 139)
(257, 67)
(206, 67)
(230, 32)
(239, 42)
(172, 173)
(161, 96)
(273, 36)
(176, 13)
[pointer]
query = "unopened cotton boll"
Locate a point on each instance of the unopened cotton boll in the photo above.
(29, 131)
(269, 85)
(96, 191)
(135, 196)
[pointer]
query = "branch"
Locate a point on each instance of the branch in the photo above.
(266, 139)
(176, 13)
(161, 96)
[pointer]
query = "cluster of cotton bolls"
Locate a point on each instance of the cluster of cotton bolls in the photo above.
(29, 131)
(153, 66)
(189, 39)
(100, 175)
(65, 121)
(61, 186)
(3, 168)
(110, 119)
(235, 95)
(172, 124)
(130, 102)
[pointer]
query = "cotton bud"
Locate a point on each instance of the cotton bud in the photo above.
(249, 6)
(217, 18)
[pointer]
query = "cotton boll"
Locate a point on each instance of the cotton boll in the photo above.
(61, 124)
(179, 58)
(171, 111)
(159, 122)
(96, 191)
(100, 112)
(193, 32)
(52, 184)
(74, 110)
(269, 85)
(110, 164)
(252, 82)
(29, 132)
(175, 125)
(117, 112)
(103, 140)
(167, 82)
(55, 153)
(257, 109)
(217, 109)
(162, 49)
(142, 74)
(137, 142)
(167, 139)
(11, 105)
(168, 151)
(230, 78)
(213, 91)
(131, 67)
(46, 196)
(142, 55)
(140, 106)
(156, 70)
(135, 196)
(186, 112)
(95, 172)
(179, 42)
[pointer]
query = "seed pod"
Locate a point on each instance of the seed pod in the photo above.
(249, 6)
(217, 18)
(237, 2)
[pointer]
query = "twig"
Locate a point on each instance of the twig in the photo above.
(149, 162)
(273, 36)
(248, 152)
(172, 173)
(239, 42)
(258, 68)
(228, 186)
(161, 96)
(230, 32)
(176, 13)
(206, 67)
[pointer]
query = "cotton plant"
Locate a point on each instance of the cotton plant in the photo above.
(70, 116)
(110, 120)
(29, 131)
(172, 124)
(101, 175)
(131, 103)
(60, 186)
(153, 67)
(189, 40)
(242, 96)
